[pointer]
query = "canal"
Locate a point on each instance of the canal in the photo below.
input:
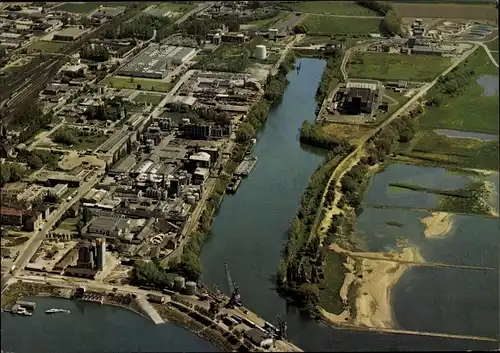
(249, 231)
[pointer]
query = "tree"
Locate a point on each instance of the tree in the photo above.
(300, 29)
(16, 172)
(245, 132)
(65, 137)
(34, 162)
(4, 174)
(391, 24)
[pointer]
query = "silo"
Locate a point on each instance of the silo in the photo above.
(196, 196)
(190, 288)
(260, 52)
(179, 283)
(191, 200)
(273, 33)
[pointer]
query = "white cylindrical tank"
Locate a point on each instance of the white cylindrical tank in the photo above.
(179, 283)
(196, 196)
(191, 200)
(190, 288)
(260, 52)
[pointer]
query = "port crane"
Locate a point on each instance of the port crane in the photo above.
(235, 299)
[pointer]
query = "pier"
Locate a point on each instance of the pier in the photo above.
(149, 310)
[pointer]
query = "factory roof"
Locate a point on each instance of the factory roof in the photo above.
(104, 223)
(371, 85)
(60, 187)
(70, 32)
(426, 49)
(125, 165)
(202, 171)
(109, 144)
(256, 335)
(363, 93)
(200, 156)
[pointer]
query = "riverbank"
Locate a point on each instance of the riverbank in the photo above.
(174, 310)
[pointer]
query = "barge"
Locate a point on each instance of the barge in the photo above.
(246, 166)
(233, 185)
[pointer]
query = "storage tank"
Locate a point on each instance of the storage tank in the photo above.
(260, 52)
(190, 288)
(191, 200)
(179, 283)
(196, 196)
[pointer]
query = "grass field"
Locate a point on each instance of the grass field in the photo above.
(145, 84)
(327, 25)
(46, 46)
(332, 7)
(268, 22)
(387, 67)
(329, 293)
(153, 99)
(471, 153)
(493, 45)
(462, 11)
(78, 7)
(496, 56)
(471, 110)
(227, 57)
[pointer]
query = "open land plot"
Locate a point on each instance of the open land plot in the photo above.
(344, 131)
(387, 67)
(471, 109)
(493, 45)
(78, 7)
(347, 8)
(327, 25)
(436, 10)
(145, 84)
(266, 22)
(466, 152)
(395, 100)
(153, 99)
(330, 287)
(177, 7)
(227, 57)
(46, 46)
(82, 140)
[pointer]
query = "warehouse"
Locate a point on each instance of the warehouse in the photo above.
(69, 34)
(154, 61)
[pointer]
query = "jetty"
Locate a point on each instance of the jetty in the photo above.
(149, 310)
(246, 166)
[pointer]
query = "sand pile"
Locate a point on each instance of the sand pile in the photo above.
(438, 224)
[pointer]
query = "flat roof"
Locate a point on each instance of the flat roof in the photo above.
(70, 32)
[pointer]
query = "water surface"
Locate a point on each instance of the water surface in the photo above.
(489, 84)
(93, 328)
(466, 134)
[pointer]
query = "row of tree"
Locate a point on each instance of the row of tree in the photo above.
(94, 52)
(450, 85)
(330, 76)
(391, 23)
(11, 172)
(301, 267)
(142, 28)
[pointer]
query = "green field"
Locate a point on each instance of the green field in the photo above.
(465, 152)
(493, 45)
(77, 7)
(46, 46)
(227, 57)
(267, 22)
(327, 25)
(471, 110)
(145, 84)
(388, 67)
(177, 7)
(332, 7)
(153, 99)
(329, 293)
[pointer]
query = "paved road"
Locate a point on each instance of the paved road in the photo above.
(201, 7)
(36, 240)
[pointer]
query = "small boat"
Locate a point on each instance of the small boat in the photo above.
(54, 311)
(23, 311)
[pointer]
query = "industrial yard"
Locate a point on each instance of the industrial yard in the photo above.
(117, 165)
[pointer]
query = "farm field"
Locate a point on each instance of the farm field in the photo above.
(348, 8)
(386, 67)
(145, 84)
(462, 11)
(46, 46)
(267, 22)
(476, 107)
(78, 7)
(153, 99)
(328, 25)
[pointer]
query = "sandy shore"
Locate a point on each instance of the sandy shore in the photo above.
(437, 224)
(373, 278)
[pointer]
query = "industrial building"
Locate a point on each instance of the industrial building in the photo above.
(360, 97)
(58, 190)
(69, 34)
(154, 61)
(11, 216)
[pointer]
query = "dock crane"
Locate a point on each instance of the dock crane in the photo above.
(235, 299)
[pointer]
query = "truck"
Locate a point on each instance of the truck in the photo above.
(12, 268)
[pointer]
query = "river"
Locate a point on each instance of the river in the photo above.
(248, 234)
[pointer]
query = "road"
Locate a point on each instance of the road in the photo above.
(36, 240)
(201, 7)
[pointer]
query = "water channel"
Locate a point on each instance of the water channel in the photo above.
(249, 234)
(249, 230)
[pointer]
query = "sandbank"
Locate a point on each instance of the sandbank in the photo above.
(437, 224)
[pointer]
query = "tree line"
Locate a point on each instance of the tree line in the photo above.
(301, 269)
(391, 23)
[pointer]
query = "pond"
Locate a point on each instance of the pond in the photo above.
(471, 241)
(448, 300)
(466, 134)
(380, 193)
(489, 84)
